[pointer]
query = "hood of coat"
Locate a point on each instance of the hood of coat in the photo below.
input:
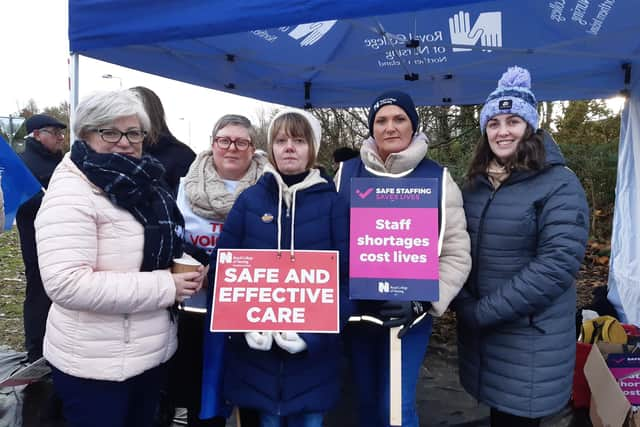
(553, 154)
(273, 181)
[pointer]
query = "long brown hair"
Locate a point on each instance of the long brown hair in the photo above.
(153, 106)
(529, 155)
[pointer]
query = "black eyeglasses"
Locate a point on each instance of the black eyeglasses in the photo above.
(225, 143)
(113, 136)
(56, 133)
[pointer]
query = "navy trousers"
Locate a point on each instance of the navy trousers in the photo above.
(369, 354)
(97, 403)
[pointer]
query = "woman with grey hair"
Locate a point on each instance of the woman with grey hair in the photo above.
(106, 236)
(205, 196)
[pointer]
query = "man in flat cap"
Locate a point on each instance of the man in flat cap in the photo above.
(43, 152)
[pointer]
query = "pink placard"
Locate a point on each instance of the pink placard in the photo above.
(267, 290)
(394, 243)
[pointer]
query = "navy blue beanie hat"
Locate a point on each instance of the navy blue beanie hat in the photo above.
(40, 121)
(512, 96)
(394, 97)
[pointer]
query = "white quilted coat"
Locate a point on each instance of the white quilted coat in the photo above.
(108, 320)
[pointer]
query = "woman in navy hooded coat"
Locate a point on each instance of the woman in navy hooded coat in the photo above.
(291, 378)
(528, 218)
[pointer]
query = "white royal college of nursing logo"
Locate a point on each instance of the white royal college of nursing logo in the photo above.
(310, 33)
(487, 29)
(384, 287)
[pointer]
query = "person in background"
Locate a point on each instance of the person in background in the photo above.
(44, 147)
(396, 149)
(175, 156)
(342, 154)
(291, 378)
(205, 197)
(107, 233)
(529, 221)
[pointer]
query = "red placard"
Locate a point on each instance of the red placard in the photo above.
(267, 290)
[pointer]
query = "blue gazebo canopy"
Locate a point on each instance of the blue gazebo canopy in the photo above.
(442, 52)
(340, 53)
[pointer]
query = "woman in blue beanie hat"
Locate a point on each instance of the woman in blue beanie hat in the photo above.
(397, 149)
(528, 219)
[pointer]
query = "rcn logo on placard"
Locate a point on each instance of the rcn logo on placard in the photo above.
(383, 287)
(487, 30)
(312, 32)
(226, 257)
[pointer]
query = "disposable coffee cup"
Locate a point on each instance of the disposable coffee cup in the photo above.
(185, 264)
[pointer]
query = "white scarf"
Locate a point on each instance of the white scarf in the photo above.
(396, 163)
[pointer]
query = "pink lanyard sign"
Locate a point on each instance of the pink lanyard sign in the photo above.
(394, 239)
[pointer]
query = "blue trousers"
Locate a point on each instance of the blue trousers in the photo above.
(309, 419)
(369, 355)
(97, 403)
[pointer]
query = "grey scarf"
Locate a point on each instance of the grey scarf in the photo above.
(205, 189)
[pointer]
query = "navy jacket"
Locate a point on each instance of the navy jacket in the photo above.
(516, 314)
(275, 381)
(41, 162)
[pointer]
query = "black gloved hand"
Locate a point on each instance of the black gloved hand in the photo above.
(402, 313)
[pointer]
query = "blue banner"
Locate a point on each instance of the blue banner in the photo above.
(18, 184)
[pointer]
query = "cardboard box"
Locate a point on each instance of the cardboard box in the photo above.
(609, 406)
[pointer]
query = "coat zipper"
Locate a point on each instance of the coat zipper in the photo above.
(127, 323)
(474, 261)
(475, 276)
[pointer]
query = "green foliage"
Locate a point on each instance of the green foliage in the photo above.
(453, 133)
(586, 122)
(588, 133)
(595, 165)
(12, 282)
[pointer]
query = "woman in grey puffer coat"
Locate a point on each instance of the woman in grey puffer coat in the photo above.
(528, 218)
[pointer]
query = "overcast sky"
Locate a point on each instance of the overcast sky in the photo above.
(34, 65)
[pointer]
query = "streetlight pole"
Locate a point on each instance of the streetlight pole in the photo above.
(111, 76)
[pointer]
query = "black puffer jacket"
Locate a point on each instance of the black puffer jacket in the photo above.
(41, 162)
(175, 156)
